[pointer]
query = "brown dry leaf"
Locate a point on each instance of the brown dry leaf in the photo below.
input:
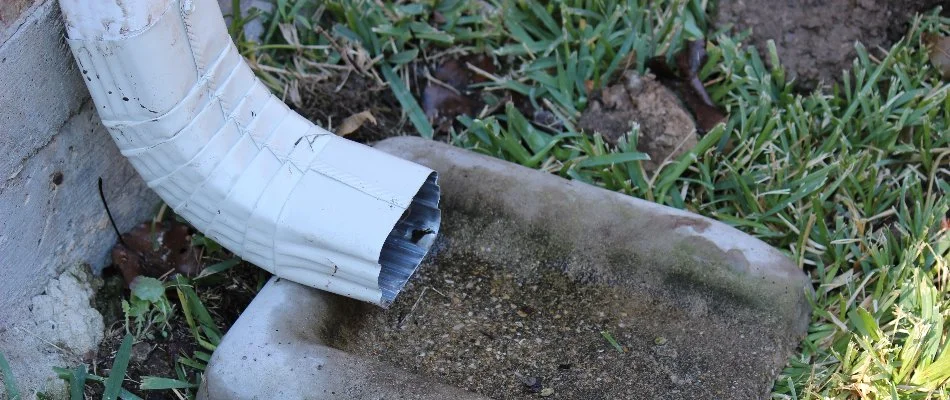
(688, 85)
(154, 250)
(354, 122)
(938, 48)
(442, 105)
(448, 94)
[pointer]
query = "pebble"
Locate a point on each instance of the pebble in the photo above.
(532, 384)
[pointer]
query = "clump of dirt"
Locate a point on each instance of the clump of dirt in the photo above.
(505, 334)
(328, 102)
(815, 38)
(666, 128)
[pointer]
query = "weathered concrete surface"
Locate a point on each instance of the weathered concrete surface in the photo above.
(55, 149)
(274, 356)
(753, 313)
(10, 11)
(61, 329)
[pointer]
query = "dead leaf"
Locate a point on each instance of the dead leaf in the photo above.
(442, 105)
(354, 122)
(938, 49)
(688, 85)
(155, 250)
(448, 92)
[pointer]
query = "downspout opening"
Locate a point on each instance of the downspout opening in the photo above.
(410, 240)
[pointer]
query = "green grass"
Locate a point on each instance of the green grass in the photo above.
(150, 314)
(850, 182)
(9, 382)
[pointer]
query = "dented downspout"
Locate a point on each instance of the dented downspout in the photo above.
(231, 158)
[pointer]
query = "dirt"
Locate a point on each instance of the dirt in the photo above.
(225, 296)
(815, 38)
(666, 128)
(328, 102)
(504, 334)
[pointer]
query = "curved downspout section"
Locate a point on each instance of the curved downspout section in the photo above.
(237, 163)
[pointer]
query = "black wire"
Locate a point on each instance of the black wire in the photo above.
(102, 196)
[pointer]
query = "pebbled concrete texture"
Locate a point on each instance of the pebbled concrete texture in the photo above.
(62, 314)
(51, 218)
(61, 329)
(273, 358)
(754, 299)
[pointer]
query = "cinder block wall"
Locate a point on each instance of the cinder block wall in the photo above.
(54, 149)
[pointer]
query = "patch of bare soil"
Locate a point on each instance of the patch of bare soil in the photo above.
(225, 295)
(815, 38)
(666, 128)
(491, 330)
(329, 102)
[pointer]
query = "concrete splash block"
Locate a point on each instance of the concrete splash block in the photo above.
(537, 286)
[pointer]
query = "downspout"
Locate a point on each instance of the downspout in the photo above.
(231, 158)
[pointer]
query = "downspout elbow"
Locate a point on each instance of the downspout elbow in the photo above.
(231, 158)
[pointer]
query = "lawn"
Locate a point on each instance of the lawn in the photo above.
(848, 181)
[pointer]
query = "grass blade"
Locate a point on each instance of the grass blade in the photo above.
(409, 103)
(612, 341)
(9, 382)
(117, 374)
(159, 383)
(77, 382)
(67, 374)
(194, 309)
(219, 267)
(613, 158)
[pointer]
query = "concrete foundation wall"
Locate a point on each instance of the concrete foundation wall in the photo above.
(54, 149)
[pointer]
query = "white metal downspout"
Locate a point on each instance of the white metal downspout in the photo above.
(237, 163)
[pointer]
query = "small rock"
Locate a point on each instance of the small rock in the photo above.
(547, 392)
(140, 352)
(532, 384)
